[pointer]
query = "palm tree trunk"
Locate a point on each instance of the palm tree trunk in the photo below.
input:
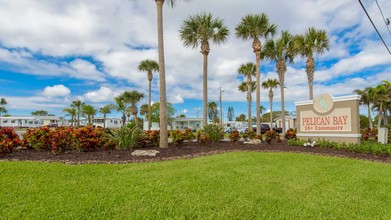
(310, 70)
(249, 89)
(205, 89)
(123, 119)
(104, 120)
(149, 105)
(369, 117)
(283, 109)
(271, 109)
(78, 116)
(0, 119)
(135, 120)
(89, 119)
(162, 77)
(258, 92)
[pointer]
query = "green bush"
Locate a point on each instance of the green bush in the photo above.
(296, 142)
(214, 132)
(127, 137)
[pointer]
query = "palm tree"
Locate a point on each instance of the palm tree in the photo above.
(366, 100)
(120, 106)
(379, 96)
(144, 110)
(313, 42)
(90, 112)
(271, 84)
(262, 109)
(133, 97)
(254, 27)
(78, 105)
(149, 66)
(72, 112)
(105, 110)
(199, 30)
(281, 51)
(212, 106)
(248, 70)
(3, 102)
(162, 75)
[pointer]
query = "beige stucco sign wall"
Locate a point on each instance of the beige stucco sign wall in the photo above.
(332, 118)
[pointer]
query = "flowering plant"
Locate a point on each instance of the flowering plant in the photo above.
(310, 143)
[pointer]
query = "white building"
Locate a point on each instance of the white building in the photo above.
(31, 121)
(98, 122)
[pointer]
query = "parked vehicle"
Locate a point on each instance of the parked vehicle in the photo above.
(264, 128)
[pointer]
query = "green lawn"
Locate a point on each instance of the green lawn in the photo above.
(243, 185)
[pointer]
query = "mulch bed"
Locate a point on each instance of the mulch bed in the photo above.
(187, 151)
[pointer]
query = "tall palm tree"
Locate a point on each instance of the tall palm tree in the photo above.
(248, 70)
(144, 110)
(149, 66)
(281, 50)
(78, 105)
(212, 106)
(199, 30)
(271, 84)
(312, 42)
(133, 97)
(243, 87)
(379, 96)
(162, 75)
(365, 100)
(72, 112)
(254, 27)
(3, 102)
(387, 103)
(89, 111)
(105, 110)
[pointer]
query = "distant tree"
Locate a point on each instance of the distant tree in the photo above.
(120, 106)
(72, 112)
(271, 84)
(182, 116)
(242, 117)
(7, 115)
(133, 97)
(78, 105)
(149, 66)
(276, 114)
(212, 111)
(155, 114)
(231, 113)
(89, 112)
(367, 101)
(3, 102)
(40, 113)
(105, 110)
(144, 110)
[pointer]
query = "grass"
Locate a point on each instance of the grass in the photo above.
(244, 185)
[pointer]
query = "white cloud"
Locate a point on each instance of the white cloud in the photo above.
(56, 91)
(104, 94)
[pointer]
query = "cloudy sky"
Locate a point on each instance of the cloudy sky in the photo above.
(53, 51)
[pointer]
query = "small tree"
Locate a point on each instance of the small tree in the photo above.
(3, 102)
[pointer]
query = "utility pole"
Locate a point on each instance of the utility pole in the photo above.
(221, 108)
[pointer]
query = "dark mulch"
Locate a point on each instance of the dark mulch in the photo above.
(188, 150)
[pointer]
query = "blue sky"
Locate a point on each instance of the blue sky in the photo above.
(54, 52)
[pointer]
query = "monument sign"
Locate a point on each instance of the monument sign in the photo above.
(332, 118)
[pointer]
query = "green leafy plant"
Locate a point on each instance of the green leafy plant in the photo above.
(296, 142)
(215, 133)
(202, 137)
(88, 138)
(9, 140)
(127, 138)
(234, 136)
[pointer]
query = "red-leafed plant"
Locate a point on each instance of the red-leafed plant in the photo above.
(88, 138)
(153, 136)
(62, 139)
(37, 138)
(8, 140)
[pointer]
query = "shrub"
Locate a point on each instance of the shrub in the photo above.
(62, 139)
(269, 136)
(153, 136)
(215, 133)
(38, 138)
(250, 134)
(8, 140)
(178, 137)
(127, 138)
(234, 136)
(296, 142)
(290, 134)
(88, 138)
(202, 137)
